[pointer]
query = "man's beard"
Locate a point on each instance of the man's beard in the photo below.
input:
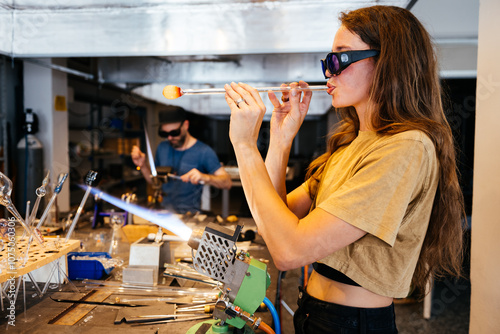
(180, 142)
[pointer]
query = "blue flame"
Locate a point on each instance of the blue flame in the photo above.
(164, 219)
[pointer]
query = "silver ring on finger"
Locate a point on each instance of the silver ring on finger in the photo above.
(239, 101)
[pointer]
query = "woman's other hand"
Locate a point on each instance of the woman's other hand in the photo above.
(289, 113)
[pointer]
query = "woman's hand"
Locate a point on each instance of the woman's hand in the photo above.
(288, 116)
(247, 112)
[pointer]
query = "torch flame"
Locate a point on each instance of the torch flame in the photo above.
(167, 220)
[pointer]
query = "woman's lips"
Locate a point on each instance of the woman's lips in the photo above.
(330, 89)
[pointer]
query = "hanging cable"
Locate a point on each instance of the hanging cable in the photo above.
(410, 5)
(277, 303)
(306, 274)
(26, 166)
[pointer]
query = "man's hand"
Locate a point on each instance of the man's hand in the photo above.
(219, 179)
(138, 157)
(194, 176)
(139, 160)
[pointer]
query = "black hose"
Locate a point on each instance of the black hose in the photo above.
(26, 166)
(277, 300)
(410, 5)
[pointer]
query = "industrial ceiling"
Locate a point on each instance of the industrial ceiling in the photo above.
(191, 43)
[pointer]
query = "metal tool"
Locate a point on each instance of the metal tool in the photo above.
(75, 312)
(206, 308)
(90, 302)
(157, 322)
(154, 313)
(173, 92)
(245, 280)
(177, 177)
(91, 179)
(174, 177)
(129, 289)
(167, 316)
(185, 300)
(5, 200)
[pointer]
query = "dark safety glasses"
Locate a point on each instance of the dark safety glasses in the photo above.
(173, 133)
(336, 62)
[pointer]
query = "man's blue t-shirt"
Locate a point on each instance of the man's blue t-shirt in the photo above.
(180, 196)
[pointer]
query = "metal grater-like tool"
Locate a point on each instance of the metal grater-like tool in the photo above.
(244, 279)
(216, 252)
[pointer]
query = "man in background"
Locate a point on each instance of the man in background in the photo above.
(192, 160)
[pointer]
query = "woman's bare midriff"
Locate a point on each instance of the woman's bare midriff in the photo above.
(331, 291)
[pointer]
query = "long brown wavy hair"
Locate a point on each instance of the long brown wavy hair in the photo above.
(407, 94)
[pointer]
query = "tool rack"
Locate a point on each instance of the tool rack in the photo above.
(38, 256)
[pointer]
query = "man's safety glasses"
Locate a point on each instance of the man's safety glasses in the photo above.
(336, 62)
(173, 133)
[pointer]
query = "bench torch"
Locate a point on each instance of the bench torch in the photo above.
(244, 280)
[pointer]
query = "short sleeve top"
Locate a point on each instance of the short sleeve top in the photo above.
(384, 185)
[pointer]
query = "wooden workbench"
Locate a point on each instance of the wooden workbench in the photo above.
(101, 319)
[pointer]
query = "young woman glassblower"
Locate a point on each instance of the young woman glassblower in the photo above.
(381, 212)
